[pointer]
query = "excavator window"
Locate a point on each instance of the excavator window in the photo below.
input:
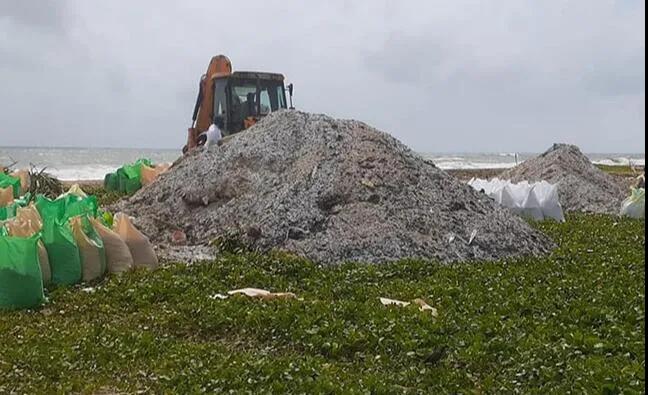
(281, 97)
(220, 99)
(239, 98)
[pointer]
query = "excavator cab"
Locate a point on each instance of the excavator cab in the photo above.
(242, 98)
(237, 99)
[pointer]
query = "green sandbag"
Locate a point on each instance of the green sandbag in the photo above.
(75, 205)
(62, 251)
(7, 180)
(50, 210)
(24, 200)
(133, 171)
(21, 284)
(129, 182)
(8, 211)
(66, 207)
(111, 182)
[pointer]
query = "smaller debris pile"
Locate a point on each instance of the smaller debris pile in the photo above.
(537, 201)
(581, 185)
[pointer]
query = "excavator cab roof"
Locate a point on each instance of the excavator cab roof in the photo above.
(253, 75)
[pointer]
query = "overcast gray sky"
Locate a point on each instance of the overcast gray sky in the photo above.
(442, 76)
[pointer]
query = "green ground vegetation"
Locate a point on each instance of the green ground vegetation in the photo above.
(569, 322)
(625, 171)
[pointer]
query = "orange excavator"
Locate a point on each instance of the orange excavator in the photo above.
(234, 100)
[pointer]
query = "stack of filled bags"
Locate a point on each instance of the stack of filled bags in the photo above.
(128, 179)
(63, 242)
(537, 200)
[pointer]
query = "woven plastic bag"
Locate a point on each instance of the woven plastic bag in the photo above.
(62, 251)
(25, 228)
(6, 196)
(150, 174)
(50, 210)
(9, 181)
(111, 182)
(30, 214)
(129, 182)
(21, 284)
(23, 176)
(91, 249)
(118, 256)
(635, 205)
(75, 206)
(8, 211)
(138, 244)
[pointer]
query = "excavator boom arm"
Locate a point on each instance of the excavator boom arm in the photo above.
(203, 113)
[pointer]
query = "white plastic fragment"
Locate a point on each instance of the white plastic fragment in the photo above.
(388, 302)
(423, 306)
(262, 294)
(472, 236)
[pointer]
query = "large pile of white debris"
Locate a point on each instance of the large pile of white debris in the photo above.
(329, 190)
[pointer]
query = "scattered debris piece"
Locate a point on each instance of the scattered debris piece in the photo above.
(423, 306)
(263, 294)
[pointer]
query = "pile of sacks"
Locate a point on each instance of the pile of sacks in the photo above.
(63, 242)
(538, 200)
(129, 178)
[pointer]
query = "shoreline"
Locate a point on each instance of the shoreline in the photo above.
(623, 172)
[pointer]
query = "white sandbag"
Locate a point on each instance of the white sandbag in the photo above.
(503, 197)
(531, 206)
(139, 245)
(534, 200)
(93, 261)
(548, 196)
(118, 255)
(635, 205)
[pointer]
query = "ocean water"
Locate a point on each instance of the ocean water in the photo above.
(81, 163)
(505, 160)
(93, 163)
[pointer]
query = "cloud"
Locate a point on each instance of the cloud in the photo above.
(511, 75)
(46, 15)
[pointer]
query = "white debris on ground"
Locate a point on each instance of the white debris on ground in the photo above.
(538, 200)
(332, 191)
(634, 206)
